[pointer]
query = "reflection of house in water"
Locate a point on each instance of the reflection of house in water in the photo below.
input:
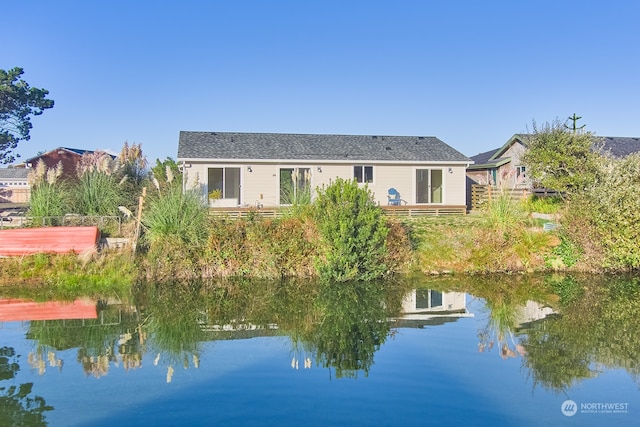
(423, 307)
(531, 312)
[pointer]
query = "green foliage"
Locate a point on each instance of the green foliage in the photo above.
(568, 251)
(18, 102)
(560, 159)
(49, 196)
(261, 247)
(503, 213)
(175, 215)
(96, 193)
(613, 210)
(354, 326)
(353, 232)
(47, 201)
(295, 191)
(546, 205)
(166, 173)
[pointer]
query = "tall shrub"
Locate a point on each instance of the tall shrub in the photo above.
(174, 215)
(353, 232)
(96, 193)
(97, 190)
(49, 197)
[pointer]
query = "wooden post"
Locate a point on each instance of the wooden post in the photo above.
(139, 218)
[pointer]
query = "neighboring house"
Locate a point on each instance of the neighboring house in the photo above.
(503, 167)
(14, 186)
(264, 169)
(69, 157)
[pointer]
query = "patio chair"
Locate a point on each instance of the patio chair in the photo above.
(393, 197)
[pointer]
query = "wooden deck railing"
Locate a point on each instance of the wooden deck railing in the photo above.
(396, 211)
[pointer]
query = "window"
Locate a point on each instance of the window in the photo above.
(363, 174)
(427, 298)
(521, 175)
(226, 181)
(295, 186)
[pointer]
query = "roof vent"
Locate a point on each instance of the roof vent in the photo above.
(387, 148)
(374, 137)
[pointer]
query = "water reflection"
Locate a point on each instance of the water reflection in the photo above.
(597, 329)
(564, 329)
(17, 404)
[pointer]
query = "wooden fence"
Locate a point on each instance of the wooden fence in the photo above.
(482, 194)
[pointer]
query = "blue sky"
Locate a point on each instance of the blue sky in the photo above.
(472, 73)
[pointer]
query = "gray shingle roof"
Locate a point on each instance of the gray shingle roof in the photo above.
(618, 146)
(483, 158)
(14, 173)
(272, 146)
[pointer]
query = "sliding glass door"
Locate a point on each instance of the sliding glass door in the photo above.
(429, 186)
(226, 181)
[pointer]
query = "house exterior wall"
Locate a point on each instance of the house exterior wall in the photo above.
(260, 186)
(51, 159)
(507, 175)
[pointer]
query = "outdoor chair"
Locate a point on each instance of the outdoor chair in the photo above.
(393, 197)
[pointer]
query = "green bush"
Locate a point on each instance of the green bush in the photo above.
(546, 205)
(353, 233)
(613, 208)
(96, 193)
(172, 214)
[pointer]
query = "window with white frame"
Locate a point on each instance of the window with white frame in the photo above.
(363, 174)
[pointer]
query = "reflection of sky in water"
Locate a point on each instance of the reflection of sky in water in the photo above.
(428, 376)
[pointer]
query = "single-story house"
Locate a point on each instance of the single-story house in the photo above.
(503, 166)
(14, 185)
(264, 169)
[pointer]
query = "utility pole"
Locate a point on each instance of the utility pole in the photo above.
(574, 119)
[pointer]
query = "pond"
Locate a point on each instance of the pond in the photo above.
(511, 350)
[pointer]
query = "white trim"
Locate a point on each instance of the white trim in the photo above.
(326, 162)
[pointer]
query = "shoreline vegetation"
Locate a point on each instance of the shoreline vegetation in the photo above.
(335, 233)
(184, 243)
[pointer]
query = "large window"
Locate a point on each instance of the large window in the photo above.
(429, 186)
(295, 186)
(363, 174)
(226, 181)
(427, 298)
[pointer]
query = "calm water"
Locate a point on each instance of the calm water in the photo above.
(495, 351)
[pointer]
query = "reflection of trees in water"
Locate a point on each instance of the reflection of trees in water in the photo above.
(598, 329)
(113, 339)
(498, 332)
(352, 325)
(16, 405)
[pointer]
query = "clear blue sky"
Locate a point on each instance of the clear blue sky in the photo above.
(472, 72)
